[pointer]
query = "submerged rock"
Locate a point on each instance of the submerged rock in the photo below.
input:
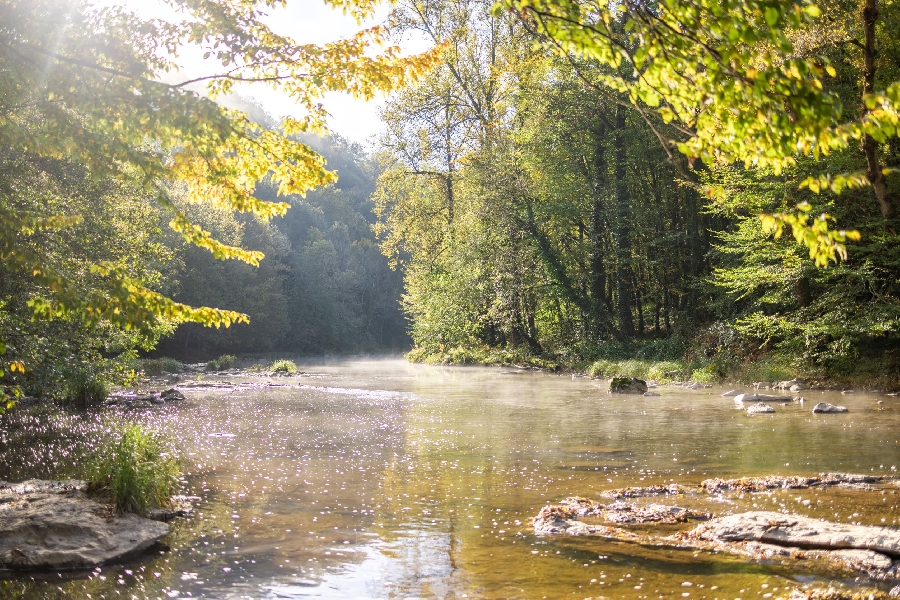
(731, 394)
(760, 408)
(800, 532)
(824, 407)
(741, 398)
(627, 385)
(55, 525)
(771, 482)
(617, 512)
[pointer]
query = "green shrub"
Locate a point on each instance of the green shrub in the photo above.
(256, 368)
(170, 365)
(283, 366)
(84, 388)
(150, 366)
(135, 472)
(226, 361)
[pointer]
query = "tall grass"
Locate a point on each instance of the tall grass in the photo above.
(84, 388)
(283, 366)
(135, 472)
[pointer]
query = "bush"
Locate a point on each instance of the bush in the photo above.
(256, 368)
(226, 361)
(84, 388)
(135, 472)
(283, 366)
(158, 366)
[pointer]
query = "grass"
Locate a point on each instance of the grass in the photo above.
(158, 366)
(224, 362)
(84, 388)
(283, 366)
(135, 472)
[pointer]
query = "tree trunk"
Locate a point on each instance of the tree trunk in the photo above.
(623, 216)
(869, 145)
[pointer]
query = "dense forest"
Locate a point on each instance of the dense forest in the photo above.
(563, 183)
(542, 203)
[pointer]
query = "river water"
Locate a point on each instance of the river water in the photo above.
(382, 479)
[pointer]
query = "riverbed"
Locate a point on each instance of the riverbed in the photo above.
(382, 479)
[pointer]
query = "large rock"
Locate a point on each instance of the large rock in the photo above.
(627, 385)
(55, 525)
(800, 532)
(824, 407)
(759, 408)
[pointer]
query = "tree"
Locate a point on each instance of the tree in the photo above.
(729, 75)
(81, 83)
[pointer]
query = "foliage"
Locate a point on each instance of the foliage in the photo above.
(136, 472)
(84, 387)
(158, 366)
(92, 110)
(735, 79)
(223, 363)
(283, 366)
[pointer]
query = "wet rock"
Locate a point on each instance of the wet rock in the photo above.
(644, 492)
(731, 394)
(799, 399)
(742, 398)
(651, 394)
(55, 525)
(627, 385)
(548, 519)
(795, 388)
(799, 532)
(179, 506)
(895, 592)
(760, 408)
(824, 407)
(172, 395)
(760, 484)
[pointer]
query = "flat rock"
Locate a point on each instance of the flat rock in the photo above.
(55, 525)
(824, 407)
(759, 408)
(731, 394)
(800, 532)
(741, 398)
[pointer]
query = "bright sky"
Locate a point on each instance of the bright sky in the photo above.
(306, 21)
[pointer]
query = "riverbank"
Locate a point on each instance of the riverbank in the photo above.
(698, 365)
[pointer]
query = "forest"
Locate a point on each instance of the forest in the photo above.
(701, 187)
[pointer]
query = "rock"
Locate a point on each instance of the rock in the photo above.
(759, 408)
(795, 388)
(172, 395)
(824, 407)
(895, 592)
(800, 532)
(627, 385)
(672, 489)
(651, 394)
(55, 525)
(616, 512)
(730, 394)
(799, 399)
(741, 398)
(760, 484)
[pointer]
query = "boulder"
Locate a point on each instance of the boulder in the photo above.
(800, 532)
(824, 407)
(759, 408)
(54, 525)
(741, 398)
(172, 395)
(627, 385)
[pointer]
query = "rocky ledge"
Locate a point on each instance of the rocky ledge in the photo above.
(55, 525)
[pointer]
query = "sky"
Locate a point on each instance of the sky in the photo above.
(306, 21)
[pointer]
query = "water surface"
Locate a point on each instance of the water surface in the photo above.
(381, 479)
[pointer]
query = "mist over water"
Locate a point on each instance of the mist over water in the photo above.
(377, 478)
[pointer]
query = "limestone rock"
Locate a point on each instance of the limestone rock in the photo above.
(55, 525)
(760, 408)
(800, 532)
(824, 407)
(741, 398)
(627, 385)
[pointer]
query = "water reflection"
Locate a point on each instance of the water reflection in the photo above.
(383, 479)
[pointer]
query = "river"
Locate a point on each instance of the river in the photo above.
(382, 479)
